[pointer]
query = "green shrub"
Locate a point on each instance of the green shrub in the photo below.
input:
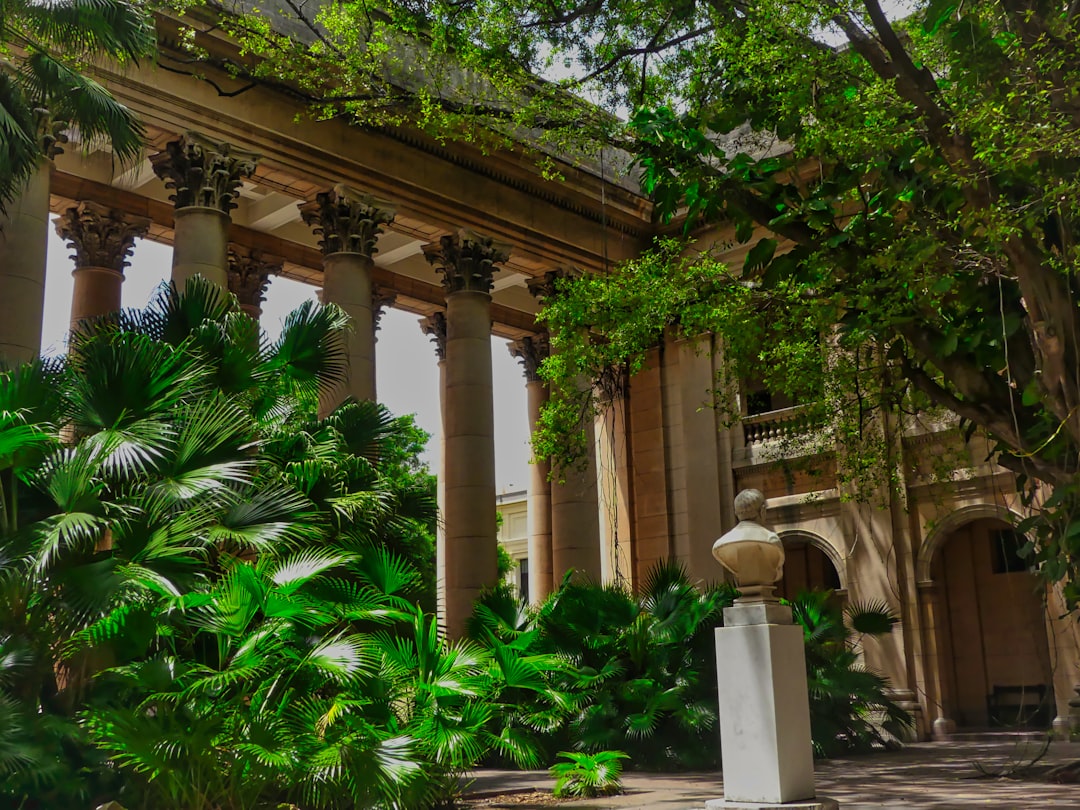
(587, 776)
(640, 672)
(641, 669)
(204, 601)
(849, 705)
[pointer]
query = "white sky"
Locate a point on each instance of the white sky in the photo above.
(407, 373)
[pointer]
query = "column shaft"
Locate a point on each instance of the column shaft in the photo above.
(541, 578)
(347, 283)
(469, 417)
(200, 246)
(575, 502)
(440, 499)
(349, 223)
(23, 240)
(435, 326)
(96, 292)
(575, 518)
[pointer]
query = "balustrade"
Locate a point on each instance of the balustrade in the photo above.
(772, 426)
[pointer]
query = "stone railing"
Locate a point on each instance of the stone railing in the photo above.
(772, 426)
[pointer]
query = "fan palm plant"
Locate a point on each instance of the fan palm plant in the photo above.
(640, 669)
(43, 91)
(850, 709)
(130, 478)
(639, 675)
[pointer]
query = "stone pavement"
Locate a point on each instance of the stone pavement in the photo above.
(924, 776)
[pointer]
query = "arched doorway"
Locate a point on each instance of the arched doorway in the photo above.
(806, 566)
(993, 649)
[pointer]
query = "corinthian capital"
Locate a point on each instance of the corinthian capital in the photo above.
(531, 351)
(203, 173)
(99, 235)
(547, 286)
(435, 326)
(249, 275)
(347, 220)
(467, 260)
(382, 298)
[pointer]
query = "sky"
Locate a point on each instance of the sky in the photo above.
(407, 374)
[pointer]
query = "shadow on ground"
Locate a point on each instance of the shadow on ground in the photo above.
(926, 776)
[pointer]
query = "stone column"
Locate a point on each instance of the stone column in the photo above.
(1065, 654)
(575, 497)
(349, 223)
(249, 276)
(382, 299)
(24, 236)
(531, 351)
(467, 262)
(205, 178)
(937, 656)
(613, 479)
(435, 326)
(103, 239)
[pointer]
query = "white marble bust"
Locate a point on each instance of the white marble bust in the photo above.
(751, 551)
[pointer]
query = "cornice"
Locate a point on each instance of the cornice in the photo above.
(624, 211)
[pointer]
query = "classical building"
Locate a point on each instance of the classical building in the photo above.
(245, 185)
(513, 510)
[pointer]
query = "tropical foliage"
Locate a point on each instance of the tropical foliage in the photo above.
(45, 96)
(586, 776)
(205, 584)
(849, 705)
(899, 189)
(640, 673)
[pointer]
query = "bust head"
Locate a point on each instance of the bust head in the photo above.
(751, 551)
(750, 505)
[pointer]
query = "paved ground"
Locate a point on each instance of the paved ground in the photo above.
(925, 776)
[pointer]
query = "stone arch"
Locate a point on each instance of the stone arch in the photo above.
(942, 530)
(991, 666)
(839, 563)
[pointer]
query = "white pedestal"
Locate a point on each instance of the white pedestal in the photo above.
(764, 713)
(813, 804)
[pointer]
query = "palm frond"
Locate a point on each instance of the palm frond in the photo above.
(309, 358)
(20, 152)
(80, 28)
(81, 102)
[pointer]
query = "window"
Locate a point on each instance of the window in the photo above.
(1005, 552)
(523, 578)
(758, 402)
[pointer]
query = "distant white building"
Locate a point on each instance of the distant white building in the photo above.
(514, 535)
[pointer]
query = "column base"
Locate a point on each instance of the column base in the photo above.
(809, 804)
(943, 729)
(1063, 727)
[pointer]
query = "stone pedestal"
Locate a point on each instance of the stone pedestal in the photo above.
(814, 804)
(764, 709)
(23, 238)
